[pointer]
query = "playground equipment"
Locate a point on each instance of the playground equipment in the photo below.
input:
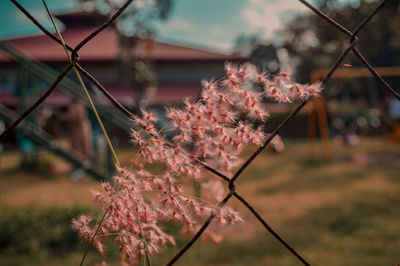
(45, 73)
(43, 138)
(317, 112)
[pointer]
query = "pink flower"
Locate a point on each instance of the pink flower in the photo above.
(214, 129)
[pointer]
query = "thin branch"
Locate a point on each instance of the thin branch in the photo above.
(83, 86)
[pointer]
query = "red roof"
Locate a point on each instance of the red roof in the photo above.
(7, 98)
(165, 94)
(105, 47)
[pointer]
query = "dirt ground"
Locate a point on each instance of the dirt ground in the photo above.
(284, 188)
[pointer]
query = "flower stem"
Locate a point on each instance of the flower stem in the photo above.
(83, 85)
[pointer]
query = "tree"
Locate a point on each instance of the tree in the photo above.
(136, 20)
(133, 26)
(260, 52)
(314, 43)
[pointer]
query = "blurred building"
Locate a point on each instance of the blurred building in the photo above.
(178, 68)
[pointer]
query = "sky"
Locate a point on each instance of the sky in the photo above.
(218, 23)
(205, 23)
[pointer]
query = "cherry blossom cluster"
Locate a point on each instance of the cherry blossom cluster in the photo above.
(214, 130)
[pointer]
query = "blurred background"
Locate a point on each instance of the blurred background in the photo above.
(331, 187)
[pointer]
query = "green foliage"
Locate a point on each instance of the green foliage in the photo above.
(33, 230)
(313, 43)
(136, 20)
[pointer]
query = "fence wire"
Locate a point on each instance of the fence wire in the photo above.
(352, 47)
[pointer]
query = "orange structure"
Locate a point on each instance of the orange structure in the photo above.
(317, 112)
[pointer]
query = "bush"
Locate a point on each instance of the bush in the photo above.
(33, 230)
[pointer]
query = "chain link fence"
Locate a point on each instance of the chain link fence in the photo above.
(231, 181)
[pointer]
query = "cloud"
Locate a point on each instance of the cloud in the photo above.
(216, 30)
(178, 24)
(266, 16)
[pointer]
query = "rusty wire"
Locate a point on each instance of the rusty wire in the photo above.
(352, 47)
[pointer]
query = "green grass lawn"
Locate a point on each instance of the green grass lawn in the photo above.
(344, 212)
